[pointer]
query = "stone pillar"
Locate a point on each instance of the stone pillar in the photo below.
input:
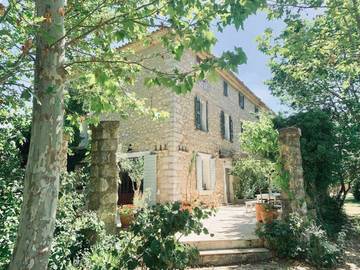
(294, 199)
(104, 172)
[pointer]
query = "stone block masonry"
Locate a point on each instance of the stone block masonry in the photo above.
(294, 200)
(104, 173)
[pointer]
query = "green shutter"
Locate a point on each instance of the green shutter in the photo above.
(241, 101)
(225, 89)
(222, 124)
(207, 116)
(231, 128)
(197, 113)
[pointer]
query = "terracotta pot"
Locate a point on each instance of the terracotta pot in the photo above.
(267, 216)
(186, 206)
(259, 208)
(126, 220)
(126, 217)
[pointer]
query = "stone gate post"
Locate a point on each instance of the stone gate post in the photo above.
(104, 172)
(294, 199)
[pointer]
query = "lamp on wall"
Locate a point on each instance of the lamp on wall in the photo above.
(130, 148)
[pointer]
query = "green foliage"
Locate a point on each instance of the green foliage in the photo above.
(151, 242)
(76, 228)
(300, 239)
(315, 66)
(96, 70)
(80, 241)
(14, 123)
(356, 190)
(262, 168)
(251, 177)
(135, 168)
(260, 139)
(320, 161)
(158, 229)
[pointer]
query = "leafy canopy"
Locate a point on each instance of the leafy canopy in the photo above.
(99, 75)
(316, 66)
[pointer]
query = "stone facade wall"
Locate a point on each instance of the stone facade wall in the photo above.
(209, 142)
(178, 134)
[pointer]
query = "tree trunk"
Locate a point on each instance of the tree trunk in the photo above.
(37, 219)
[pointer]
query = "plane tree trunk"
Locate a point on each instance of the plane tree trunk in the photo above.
(37, 219)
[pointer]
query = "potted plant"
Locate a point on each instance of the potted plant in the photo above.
(126, 213)
(135, 169)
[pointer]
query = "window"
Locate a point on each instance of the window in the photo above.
(241, 127)
(198, 59)
(241, 101)
(205, 172)
(256, 110)
(226, 89)
(201, 114)
(226, 126)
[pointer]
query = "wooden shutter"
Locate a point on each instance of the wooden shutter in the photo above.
(241, 101)
(222, 124)
(197, 112)
(225, 89)
(212, 173)
(231, 129)
(150, 179)
(199, 174)
(207, 116)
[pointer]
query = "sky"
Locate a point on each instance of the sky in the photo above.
(255, 72)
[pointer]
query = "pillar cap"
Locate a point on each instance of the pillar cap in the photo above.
(295, 131)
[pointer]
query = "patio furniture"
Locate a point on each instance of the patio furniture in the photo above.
(250, 205)
(266, 197)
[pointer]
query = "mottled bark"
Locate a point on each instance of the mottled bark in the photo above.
(37, 219)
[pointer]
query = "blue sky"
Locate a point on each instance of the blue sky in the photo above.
(255, 71)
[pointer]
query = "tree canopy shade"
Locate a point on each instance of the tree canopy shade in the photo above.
(51, 47)
(315, 64)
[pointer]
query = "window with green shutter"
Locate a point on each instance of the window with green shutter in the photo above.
(222, 124)
(201, 114)
(197, 112)
(241, 101)
(231, 128)
(256, 110)
(226, 89)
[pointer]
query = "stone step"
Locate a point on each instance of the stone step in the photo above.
(229, 243)
(222, 257)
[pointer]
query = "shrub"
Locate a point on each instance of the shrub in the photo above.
(76, 228)
(300, 239)
(13, 125)
(151, 242)
(356, 190)
(158, 229)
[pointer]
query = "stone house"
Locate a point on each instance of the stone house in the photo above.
(188, 155)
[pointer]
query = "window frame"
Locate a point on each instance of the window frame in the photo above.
(225, 89)
(203, 114)
(242, 100)
(208, 185)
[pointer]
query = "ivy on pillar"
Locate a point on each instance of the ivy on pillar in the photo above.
(104, 172)
(294, 199)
